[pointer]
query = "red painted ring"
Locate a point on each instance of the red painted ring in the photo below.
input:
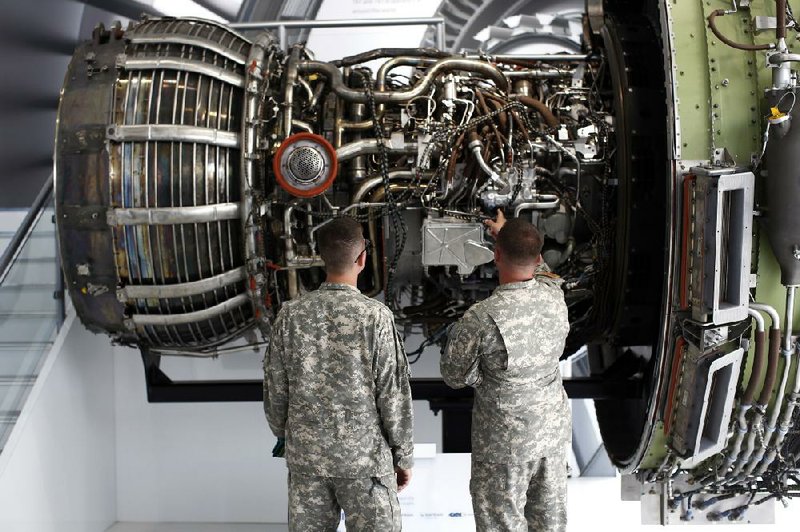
(326, 183)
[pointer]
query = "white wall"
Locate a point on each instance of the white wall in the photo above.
(57, 471)
(197, 462)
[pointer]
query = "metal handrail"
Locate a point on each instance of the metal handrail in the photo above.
(282, 25)
(25, 229)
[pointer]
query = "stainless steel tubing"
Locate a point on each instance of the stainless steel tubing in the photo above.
(442, 66)
(190, 317)
(368, 146)
(194, 288)
(173, 215)
(173, 133)
(549, 201)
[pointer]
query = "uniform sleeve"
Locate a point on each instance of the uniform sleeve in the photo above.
(460, 363)
(393, 392)
(276, 396)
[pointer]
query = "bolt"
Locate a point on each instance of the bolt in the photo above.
(796, 252)
(725, 82)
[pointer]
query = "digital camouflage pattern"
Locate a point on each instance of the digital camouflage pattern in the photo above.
(520, 497)
(369, 503)
(508, 347)
(336, 386)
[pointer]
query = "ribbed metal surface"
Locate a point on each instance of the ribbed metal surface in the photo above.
(179, 174)
(148, 184)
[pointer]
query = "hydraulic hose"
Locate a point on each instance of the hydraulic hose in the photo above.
(746, 403)
(788, 411)
(546, 114)
(739, 46)
(766, 391)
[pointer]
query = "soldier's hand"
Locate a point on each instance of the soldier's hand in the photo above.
(496, 225)
(280, 448)
(403, 478)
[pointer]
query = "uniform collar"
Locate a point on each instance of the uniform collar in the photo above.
(518, 285)
(338, 286)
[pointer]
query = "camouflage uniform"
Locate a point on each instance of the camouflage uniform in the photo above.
(507, 347)
(336, 387)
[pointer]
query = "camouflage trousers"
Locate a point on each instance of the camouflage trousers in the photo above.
(370, 504)
(528, 496)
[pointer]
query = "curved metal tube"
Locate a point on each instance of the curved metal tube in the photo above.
(741, 426)
(182, 289)
(172, 215)
(777, 59)
(395, 62)
(577, 162)
(440, 67)
(771, 312)
(368, 184)
(551, 201)
(476, 151)
(190, 317)
(366, 146)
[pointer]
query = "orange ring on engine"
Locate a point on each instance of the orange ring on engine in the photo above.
(326, 183)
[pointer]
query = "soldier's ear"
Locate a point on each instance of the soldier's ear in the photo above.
(539, 260)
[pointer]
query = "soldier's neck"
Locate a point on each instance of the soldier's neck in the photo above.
(514, 276)
(343, 278)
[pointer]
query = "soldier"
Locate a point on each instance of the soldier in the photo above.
(507, 347)
(336, 391)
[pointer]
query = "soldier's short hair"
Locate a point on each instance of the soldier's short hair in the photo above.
(339, 243)
(520, 242)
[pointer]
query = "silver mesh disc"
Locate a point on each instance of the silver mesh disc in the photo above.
(306, 164)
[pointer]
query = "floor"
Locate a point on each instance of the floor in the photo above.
(195, 527)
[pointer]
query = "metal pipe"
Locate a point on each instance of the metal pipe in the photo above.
(740, 424)
(368, 146)
(382, 53)
(368, 184)
(173, 133)
(770, 311)
(185, 65)
(568, 58)
(539, 74)
(288, 93)
(254, 73)
(577, 162)
(476, 147)
(173, 215)
(190, 40)
(182, 289)
(777, 59)
(440, 67)
(395, 62)
(189, 317)
(788, 318)
(299, 124)
(551, 201)
(340, 23)
(288, 247)
(786, 352)
(25, 229)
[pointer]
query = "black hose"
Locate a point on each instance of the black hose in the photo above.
(739, 46)
(755, 373)
(780, 14)
(772, 366)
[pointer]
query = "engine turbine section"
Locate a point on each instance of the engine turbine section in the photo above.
(194, 168)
